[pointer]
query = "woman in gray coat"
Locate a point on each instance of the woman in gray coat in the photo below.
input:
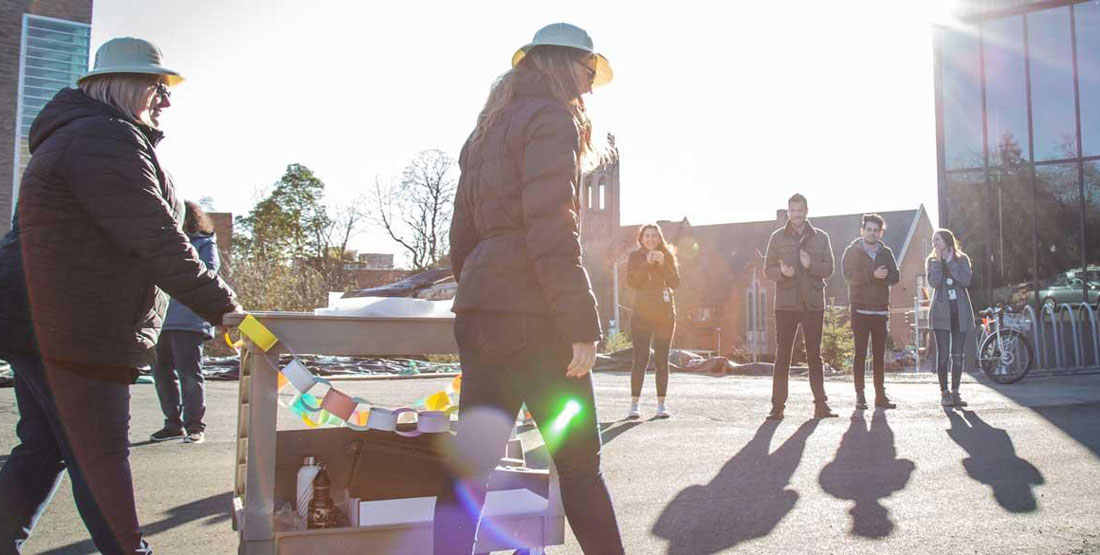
(952, 316)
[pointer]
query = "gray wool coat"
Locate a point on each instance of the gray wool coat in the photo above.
(937, 272)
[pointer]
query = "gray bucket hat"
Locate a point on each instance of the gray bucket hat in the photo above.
(131, 55)
(570, 36)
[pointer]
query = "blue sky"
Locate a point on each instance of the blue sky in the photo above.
(720, 111)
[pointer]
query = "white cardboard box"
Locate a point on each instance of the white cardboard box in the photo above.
(422, 509)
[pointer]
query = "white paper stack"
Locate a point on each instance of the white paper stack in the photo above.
(387, 307)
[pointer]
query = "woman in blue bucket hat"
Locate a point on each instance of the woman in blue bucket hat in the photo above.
(96, 234)
(526, 320)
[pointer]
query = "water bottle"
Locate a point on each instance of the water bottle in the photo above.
(306, 474)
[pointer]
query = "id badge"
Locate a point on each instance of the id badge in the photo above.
(667, 296)
(952, 295)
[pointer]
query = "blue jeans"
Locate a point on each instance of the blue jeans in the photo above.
(180, 353)
(96, 415)
(509, 359)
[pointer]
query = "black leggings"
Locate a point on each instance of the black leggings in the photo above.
(642, 333)
(956, 340)
(511, 359)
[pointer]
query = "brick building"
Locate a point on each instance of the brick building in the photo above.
(44, 46)
(718, 264)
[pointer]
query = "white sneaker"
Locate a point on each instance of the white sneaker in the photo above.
(662, 412)
(195, 437)
(634, 413)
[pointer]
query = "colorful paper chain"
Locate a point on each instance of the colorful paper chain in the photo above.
(337, 408)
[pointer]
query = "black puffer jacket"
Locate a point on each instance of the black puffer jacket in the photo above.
(99, 227)
(651, 282)
(515, 236)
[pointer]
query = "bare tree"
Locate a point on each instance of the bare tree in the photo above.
(416, 211)
(347, 222)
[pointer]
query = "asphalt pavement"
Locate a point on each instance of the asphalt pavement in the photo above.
(1017, 472)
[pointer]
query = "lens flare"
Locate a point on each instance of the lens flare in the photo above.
(572, 409)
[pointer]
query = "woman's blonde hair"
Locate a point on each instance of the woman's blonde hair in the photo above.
(126, 92)
(554, 66)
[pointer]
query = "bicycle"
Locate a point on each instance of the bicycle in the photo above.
(1005, 353)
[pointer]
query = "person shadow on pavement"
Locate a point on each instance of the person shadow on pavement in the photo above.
(746, 500)
(611, 430)
(865, 470)
(993, 462)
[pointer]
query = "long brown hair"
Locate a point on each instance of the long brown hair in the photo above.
(554, 66)
(662, 245)
(195, 220)
(948, 239)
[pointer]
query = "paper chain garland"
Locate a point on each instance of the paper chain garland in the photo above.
(337, 408)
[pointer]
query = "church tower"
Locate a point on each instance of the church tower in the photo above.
(600, 229)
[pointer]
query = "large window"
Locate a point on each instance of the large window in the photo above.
(1092, 229)
(1005, 85)
(1058, 212)
(1088, 74)
(53, 53)
(961, 89)
(1019, 92)
(1052, 105)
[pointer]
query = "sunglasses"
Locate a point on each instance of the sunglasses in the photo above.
(591, 71)
(162, 93)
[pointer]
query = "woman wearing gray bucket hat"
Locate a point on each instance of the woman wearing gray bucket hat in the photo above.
(96, 234)
(526, 321)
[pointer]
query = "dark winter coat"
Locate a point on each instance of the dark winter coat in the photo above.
(806, 289)
(99, 226)
(181, 318)
(515, 235)
(865, 291)
(650, 283)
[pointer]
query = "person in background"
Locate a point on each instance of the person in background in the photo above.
(96, 236)
(179, 347)
(870, 270)
(799, 259)
(952, 316)
(653, 273)
(526, 320)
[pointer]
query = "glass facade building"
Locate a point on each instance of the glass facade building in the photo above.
(53, 54)
(1018, 133)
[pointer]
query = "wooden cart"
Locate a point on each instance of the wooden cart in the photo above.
(267, 459)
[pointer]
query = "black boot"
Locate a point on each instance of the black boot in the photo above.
(861, 401)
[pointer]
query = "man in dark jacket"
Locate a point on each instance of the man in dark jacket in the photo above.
(799, 259)
(870, 269)
(98, 237)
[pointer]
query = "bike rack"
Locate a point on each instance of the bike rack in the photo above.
(1066, 307)
(1036, 332)
(1095, 332)
(1056, 328)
